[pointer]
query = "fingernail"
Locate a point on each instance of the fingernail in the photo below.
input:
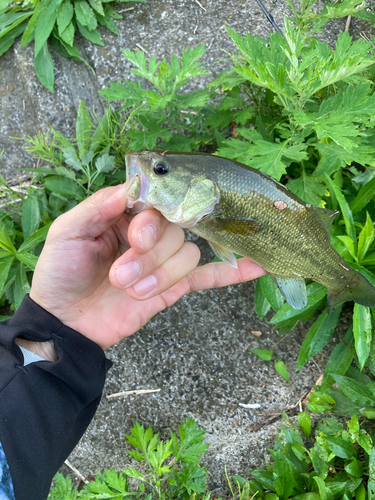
(145, 286)
(128, 273)
(147, 237)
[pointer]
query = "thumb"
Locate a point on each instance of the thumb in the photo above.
(93, 216)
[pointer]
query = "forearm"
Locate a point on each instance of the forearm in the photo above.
(45, 406)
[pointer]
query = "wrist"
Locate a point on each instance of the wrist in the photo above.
(45, 349)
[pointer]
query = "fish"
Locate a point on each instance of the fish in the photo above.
(240, 210)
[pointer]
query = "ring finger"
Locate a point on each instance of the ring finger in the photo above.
(168, 274)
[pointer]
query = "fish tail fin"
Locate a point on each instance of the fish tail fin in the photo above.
(359, 289)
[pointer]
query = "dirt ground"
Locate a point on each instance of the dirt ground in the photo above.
(196, 352)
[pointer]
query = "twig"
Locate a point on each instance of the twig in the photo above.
(269, 17)
(226, 314)
(76, 472)
(125, 10)
(126, 393)
(212, 41)
(348, 23)
(273, 415)
(140, 46)
(197, 26)
(201, 6)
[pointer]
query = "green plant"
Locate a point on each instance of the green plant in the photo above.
(21, 241)
(57, 21)
(173, 469)
(339, 465)
(160, 113)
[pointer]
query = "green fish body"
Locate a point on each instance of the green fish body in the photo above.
(238, 209)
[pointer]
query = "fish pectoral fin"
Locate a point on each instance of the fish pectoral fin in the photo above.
(293, 290)
(224, 254)
(238, 225)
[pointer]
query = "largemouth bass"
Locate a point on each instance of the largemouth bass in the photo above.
(238, 209)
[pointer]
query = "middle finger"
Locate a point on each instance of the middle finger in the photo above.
(133, 266)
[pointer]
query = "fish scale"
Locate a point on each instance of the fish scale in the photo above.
(238, 209)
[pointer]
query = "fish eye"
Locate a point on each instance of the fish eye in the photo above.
(161, 168)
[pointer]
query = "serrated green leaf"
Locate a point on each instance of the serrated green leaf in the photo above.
(131, 472)
(92, 35)
(365, 441)
(366, 237)
(271, 292)
(65, 187)
(268, 157)
(67, 35)
(64, 15)
(362, 331)
(83, 129)
(97, 6)
(45, 24)
(30, 216)
(27, 258)
(44, 68)
(340, 447)
(265, 477)
(5, 241)
(320, 402)
(284, 481)
(262, 353)
(346, 212)
(262, 306)
(319, 465)
(70, 157)
(282, 370)
(7, 39)
(322, 488)
(349, 245)
(318, 336)
(28, 34)
(85, 15)
(107, 19)
(315, 293)
(105, 163)
(339, 361)
(354, 390)
(364, 196)
(34, 239)
(304, 421)
(22, 286)
(309, 189)
(5, 265)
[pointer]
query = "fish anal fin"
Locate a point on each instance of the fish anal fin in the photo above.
(326, 215)
(293, 290)
(224, 254)
(238, 225)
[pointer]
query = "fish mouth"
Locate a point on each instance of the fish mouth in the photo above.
(137, 185)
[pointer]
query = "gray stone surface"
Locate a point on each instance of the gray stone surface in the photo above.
(197, 355)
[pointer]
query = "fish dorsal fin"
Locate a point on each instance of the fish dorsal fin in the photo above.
(293, 290)
(326, 215)
(224, 254)
(238, 225)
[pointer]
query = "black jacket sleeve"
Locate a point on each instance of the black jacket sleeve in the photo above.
(45, 407)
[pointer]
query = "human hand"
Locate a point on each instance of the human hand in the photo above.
(105, 273)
